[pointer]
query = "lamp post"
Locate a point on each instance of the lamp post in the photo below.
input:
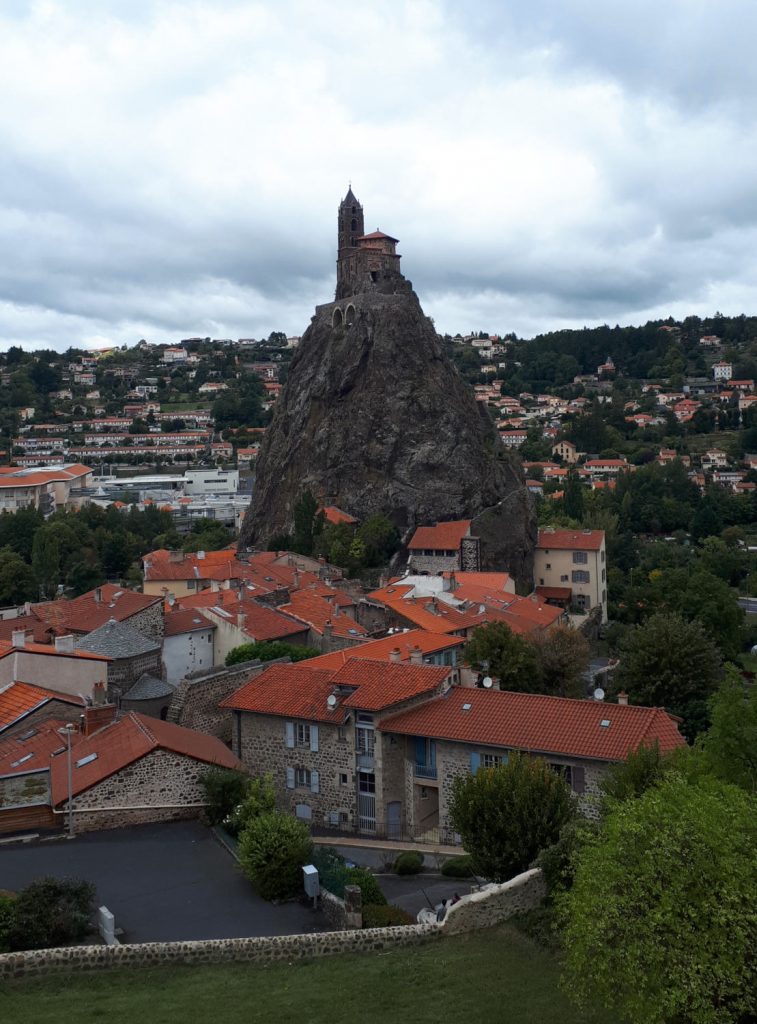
(68, 730)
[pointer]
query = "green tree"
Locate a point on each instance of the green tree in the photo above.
(224, 790)
(308, 523)
(669, 662)
(269, 650)
(496, 650)
(508, 814)
(17, 581)
(730, 744)
(660, 923)
(272, 850)
(573, 497)
(629, 779)
(562, 658)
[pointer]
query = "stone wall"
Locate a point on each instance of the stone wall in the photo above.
(195, 700)
(162, 786)
(496, 903)
(124, 672)
(274, 949)
(333, 909)
(149, 622)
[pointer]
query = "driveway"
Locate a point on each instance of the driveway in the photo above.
(422, 891)
(162, 882)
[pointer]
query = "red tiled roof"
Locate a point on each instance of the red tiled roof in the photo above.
(85, 613)
(19, 699)
(379, 650)
(377, 234)
(556, 593)
(127, 740)
(7, 648)
(30, 623)
(568, 540)
(293, 691)
(262, 623)
(444, 537)
(527, 721)
(186, 620)
(302, 691)
(381, 684)
(335, 515)
(45, 741)
(317, 612)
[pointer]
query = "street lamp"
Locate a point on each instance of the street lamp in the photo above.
(68, 730)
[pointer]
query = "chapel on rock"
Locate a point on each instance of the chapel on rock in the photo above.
(361, 259)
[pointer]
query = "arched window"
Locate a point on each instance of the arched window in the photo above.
(353, 226)
(349, 315)
(337, 319)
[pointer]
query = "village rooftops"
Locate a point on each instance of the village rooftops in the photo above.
(186, 620)
(300, 691)
(7, 648)
(538, 724)
(571, 540)
(116, 640)
(443, 537)
(336, 516)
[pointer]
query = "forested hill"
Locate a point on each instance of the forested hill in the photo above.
(660, 348)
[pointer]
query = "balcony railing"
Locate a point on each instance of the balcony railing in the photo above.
(425, 771)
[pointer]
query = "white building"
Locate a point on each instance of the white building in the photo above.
(188, 644)
(211, 481)
(722, 371)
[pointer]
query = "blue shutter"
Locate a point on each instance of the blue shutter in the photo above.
(289, 733)
(314, 782)
(432, 753)
(475, 762)
(290, 778)
(314, 738)
(420, 750)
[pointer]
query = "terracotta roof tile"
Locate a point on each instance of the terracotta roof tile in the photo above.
(526, 721)
(444, 537)
(87, 612)
(318, 612)
(567, 540)
(19, 699)
(185, 620)
(381, 684)
(379, 650)
(292, 691)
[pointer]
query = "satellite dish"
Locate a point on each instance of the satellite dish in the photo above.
(599, 693)
(488, 682)
(331, 701)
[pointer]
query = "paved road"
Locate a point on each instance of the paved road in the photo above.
(162, 882)
(425, 890)
(749, 604)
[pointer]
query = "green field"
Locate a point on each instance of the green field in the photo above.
(490, 976)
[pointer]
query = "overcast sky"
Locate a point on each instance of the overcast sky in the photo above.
(170, 169)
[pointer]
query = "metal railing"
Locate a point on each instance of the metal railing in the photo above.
(398, 832)
(425, 771)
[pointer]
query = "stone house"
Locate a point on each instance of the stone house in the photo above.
(445, 547)
(128, 771)
(375, 747)
(81, 615)
(24, 706)
(130, 655)
(58, 666)
(316, 731)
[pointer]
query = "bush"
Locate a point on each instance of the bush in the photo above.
(52, 912)
(458, 867)
(385, 916)
(332, 871)
(369, 887)
(269, 650)
(224, 789)
(410, 862)
(272, 850)
(7, 919)
(558, 861)
(260, 799)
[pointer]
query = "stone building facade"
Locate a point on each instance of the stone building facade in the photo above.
(196, 699)
(362, 259)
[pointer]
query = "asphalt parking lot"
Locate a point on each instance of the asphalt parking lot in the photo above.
(162, 882)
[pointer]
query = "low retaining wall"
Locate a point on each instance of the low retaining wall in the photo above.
(496, 903)
(212, 951)
(333, 909)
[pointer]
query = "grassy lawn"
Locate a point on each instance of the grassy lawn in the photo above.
(496, 975)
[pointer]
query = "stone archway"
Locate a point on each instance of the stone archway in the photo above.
(337, 319)
(349, 315)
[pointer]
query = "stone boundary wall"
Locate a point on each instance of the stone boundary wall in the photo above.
(266, 950)
(195, 700)
(496, 903)
(333, 909)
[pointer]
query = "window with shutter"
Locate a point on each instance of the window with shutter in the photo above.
(290, 778)
(314, 782)
(289, 733)
(475, 761)
(314, 738)
(579, 779)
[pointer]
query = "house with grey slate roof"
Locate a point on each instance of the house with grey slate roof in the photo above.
(149, 696)
(132, 655)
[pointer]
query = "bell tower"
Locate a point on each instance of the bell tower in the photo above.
(349, 228)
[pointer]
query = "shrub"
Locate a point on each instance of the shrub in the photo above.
(260, 799)
(224, 789)
(385, 916)
(410, 862)
(558, 861)
(269, 650)
(272, 850)
(7, 919)
(52, 912)
(458, 867)
(369, 887)
(332, 871)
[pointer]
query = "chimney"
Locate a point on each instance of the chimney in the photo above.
(328, 629)
(416, 655)
(64, 644)
(395, 655)
(296, 579)
(200, 555)
(96, 716)
(240, 620)
(622, 697)
(18, 638)
(98, 693)
(98, 594)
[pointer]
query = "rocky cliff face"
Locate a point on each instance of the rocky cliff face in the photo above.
(375, 419)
